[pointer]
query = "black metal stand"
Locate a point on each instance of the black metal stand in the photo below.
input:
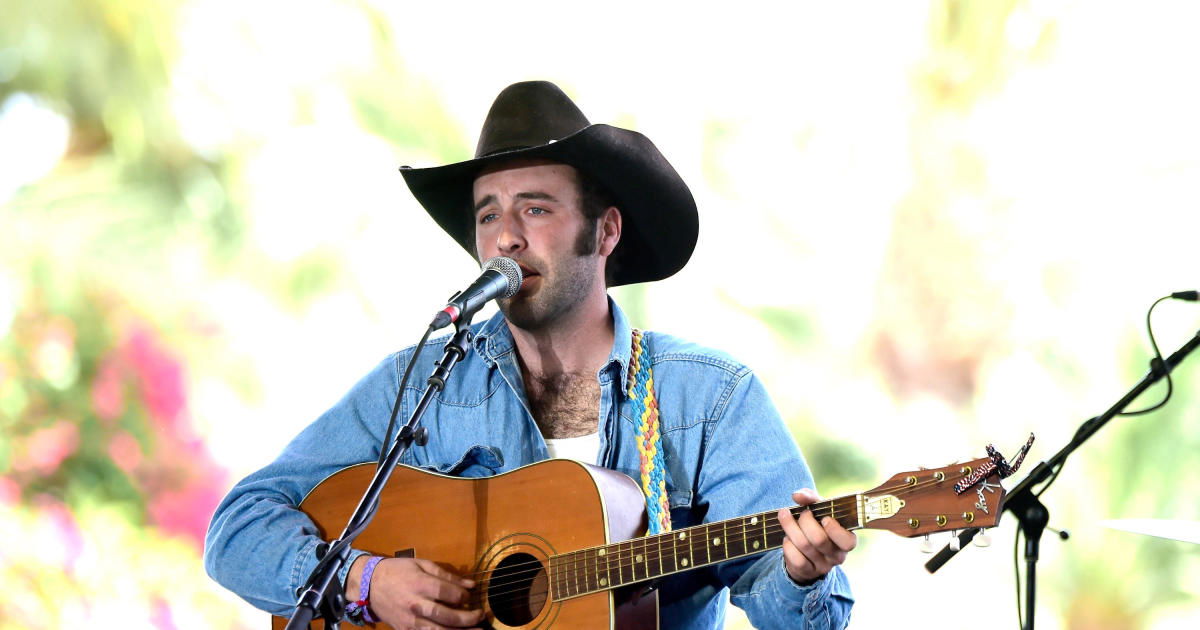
(1024, 503)
(316, 597)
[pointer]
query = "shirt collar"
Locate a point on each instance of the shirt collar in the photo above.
(493, 339)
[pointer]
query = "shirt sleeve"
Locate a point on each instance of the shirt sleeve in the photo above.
(751, 464)
(260, 545)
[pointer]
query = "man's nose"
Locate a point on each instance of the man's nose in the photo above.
(511, 238)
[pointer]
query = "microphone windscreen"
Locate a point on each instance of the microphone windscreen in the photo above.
(511, 271)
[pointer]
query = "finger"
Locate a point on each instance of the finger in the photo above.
(805, 496)
(435, 588)
(799, 539)
(842, 538)
(799, 565)
(428, 610)
(817, 537)
(433, 569)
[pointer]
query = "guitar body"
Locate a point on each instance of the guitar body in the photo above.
(501, 527)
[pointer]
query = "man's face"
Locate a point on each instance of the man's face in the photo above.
(530, 211)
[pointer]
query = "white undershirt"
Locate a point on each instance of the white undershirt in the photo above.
(584, 448)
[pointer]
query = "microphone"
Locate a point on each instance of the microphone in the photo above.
(501, 278)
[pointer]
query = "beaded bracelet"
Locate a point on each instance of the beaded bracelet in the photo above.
(360, 608)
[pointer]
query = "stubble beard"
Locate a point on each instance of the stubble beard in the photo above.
(558, 295)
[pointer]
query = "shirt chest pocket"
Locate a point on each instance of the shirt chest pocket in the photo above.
(477, 461)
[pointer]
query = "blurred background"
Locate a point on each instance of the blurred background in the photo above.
(928, 226)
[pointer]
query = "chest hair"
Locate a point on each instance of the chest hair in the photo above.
(564, 405)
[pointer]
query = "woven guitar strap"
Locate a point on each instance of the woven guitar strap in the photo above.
(644, 407)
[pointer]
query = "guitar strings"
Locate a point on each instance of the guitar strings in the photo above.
(580, 570)
(837, 512)
(768, 530)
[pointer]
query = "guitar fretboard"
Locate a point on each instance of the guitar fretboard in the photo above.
(631, 561)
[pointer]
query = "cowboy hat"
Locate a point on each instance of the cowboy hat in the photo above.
(535, 119)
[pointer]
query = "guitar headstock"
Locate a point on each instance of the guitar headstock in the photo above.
(924, 501)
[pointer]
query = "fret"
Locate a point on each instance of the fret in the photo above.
(564, 567)
(775, 539)
(693, 536)
(555, 576)
(582, 572)
(616, 561)
(637, 560)
(590, 571)
(704, 541)
(762, 542)
(673, 557)
(602, 569)
(738, 546)
(659, 541)
(849, 510)
(573, 587)
(719, 544)
(623, 563)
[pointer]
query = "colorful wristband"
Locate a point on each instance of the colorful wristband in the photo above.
(361, 608)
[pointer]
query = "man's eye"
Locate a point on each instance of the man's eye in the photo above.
(487, 218)
(537, 210)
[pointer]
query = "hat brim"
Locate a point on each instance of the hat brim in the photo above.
(659, 220)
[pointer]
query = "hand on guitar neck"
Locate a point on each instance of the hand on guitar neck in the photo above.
(408, 592)
(811, 549)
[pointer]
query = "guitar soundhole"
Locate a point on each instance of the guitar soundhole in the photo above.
(517, 590)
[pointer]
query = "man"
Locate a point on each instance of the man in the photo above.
(580, 207)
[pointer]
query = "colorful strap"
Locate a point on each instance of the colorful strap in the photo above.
(644, 406)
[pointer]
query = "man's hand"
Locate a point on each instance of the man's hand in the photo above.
(812, 549)
(415, 593)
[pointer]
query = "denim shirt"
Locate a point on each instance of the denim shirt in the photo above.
(726, 450)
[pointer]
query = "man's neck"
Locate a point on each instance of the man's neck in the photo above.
(579, 343)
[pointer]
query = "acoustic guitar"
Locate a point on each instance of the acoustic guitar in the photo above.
(559, 544)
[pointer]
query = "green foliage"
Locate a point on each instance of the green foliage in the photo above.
(792, 328)
(841, 466)
(396, 105)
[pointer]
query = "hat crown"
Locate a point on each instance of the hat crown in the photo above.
(528, 114)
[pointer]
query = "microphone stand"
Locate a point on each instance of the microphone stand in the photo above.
(316, 596)
(1024, 504)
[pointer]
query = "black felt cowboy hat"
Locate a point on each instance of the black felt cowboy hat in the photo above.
(535, 119)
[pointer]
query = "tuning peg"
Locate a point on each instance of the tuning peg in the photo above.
(955, 543)
(926, 545)
(983, 539)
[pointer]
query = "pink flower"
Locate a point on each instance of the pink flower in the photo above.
(46, 448)
(160, 379)
(10, 492)
(186, 512)
(108, 390)
(125, 451)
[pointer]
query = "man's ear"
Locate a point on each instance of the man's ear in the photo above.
(610, 231)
